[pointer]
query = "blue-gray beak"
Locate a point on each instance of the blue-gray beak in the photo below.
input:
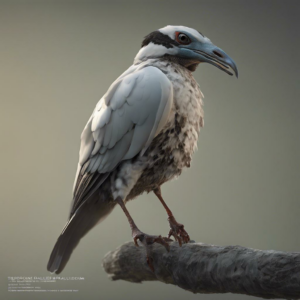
(217, 57)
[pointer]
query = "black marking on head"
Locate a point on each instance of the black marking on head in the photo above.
(158, 38)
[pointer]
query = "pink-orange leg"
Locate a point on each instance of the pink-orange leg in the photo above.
(145, 239)
(177, 229)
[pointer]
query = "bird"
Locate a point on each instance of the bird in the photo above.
(141, 134)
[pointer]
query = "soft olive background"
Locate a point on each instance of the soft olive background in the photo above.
(58, 58)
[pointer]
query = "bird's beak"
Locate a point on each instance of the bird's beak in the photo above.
(207, 52)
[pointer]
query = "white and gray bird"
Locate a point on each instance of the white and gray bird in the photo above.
(142, 133)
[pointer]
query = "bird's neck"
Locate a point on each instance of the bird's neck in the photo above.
(189, 64)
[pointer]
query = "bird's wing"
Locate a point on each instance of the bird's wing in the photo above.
(123, 124)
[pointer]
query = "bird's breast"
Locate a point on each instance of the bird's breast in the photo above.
(186, 117)
(173, 147)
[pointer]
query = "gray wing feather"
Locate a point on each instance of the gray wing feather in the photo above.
(125, 120)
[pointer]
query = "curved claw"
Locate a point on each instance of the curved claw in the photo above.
(148, 240)
(175, 235)
(184, 235)
(177, 230)
(163, 242)
(160, 240)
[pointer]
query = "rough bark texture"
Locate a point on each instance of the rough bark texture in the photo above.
(202, 268)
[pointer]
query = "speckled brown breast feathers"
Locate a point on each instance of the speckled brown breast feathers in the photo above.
(172, 149)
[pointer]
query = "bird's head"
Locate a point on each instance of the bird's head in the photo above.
(187, 46)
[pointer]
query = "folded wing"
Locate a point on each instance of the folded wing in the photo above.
(123, 124)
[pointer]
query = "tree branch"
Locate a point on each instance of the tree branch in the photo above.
(202, 268)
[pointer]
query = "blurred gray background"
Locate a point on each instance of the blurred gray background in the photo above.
(58, 58)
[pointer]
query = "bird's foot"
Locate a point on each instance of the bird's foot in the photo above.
(177, 231)
(148, 240)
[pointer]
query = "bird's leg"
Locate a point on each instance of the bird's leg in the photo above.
(145, 239)
(177, 229)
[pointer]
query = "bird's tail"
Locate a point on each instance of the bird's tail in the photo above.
(87, 216)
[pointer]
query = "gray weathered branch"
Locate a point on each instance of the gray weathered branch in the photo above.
(202, 268)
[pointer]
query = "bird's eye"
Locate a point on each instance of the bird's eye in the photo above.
(182, 38)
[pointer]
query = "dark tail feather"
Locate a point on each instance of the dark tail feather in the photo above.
(85, 218)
